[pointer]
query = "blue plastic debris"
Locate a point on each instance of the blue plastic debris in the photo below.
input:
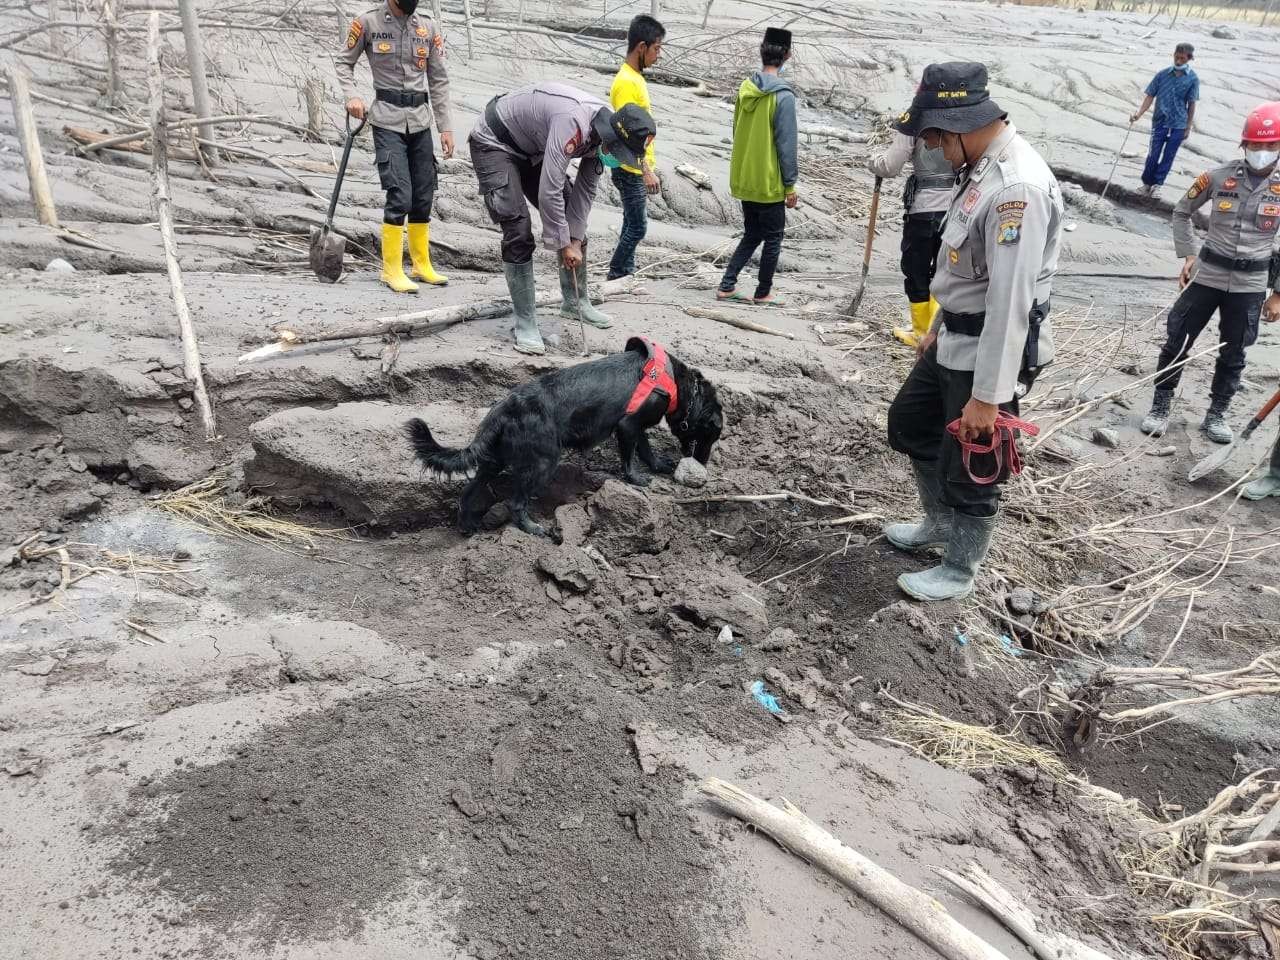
(1011, 648)
(766, 699)
(961, 638)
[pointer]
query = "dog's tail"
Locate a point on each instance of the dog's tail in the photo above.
(448, 463)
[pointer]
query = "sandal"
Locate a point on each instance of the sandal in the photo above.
(732, 295)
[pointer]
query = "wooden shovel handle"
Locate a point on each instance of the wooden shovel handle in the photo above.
(871, 227)
(1270, 406)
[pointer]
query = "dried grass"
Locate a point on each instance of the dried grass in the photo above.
(205, 506)
(965, 746)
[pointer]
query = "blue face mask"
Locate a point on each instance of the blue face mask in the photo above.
(609, 160)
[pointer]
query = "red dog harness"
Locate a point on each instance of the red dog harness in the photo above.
(656, 375)
(1003, 444)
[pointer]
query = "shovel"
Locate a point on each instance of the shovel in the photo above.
(327, 247)
(1119, 153)
(866, 255)
(1214, 461)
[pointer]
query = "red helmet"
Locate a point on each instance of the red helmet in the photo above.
(1263, 124)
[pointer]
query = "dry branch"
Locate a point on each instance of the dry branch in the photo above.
(921, 914)
(160, 183)
(721, 316)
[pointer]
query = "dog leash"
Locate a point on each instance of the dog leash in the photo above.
(1003, 444)
(577, 299)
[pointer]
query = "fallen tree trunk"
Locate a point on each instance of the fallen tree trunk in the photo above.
(918, 912)
(832, 133)
(418, 322)
(721, 316)
(132, 142)
(192, 368)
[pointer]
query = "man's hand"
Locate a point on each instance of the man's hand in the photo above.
(571, 256)
(977, 420)
(1187, 266)
(446, 143)
(927, 341)
(1187, 136)
(1271, 308)
(651, 182)
(793, 200)
(355, 107)
(1135, 117)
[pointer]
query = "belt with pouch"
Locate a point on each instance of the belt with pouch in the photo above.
(1237, 264)
(971, 324)
(402, 98)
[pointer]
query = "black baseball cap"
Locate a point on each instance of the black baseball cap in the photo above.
(625, 133)
(951, 97)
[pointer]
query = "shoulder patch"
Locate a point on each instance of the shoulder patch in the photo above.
(1010, 231)
(354, 33)
(1199, 187)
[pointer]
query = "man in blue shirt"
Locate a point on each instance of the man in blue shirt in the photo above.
(1174, 91)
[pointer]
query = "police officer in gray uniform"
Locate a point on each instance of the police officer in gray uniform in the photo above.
(406, 55)
(1228, 273)
(925, 201)
(997, 260)
(521, 150)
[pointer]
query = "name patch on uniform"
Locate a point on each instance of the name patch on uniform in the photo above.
(1010, 232)
(1225, 205)
(1230, 183)
(384, 47)
(971, 200)
(1197, 188)
(381, 36)
(1229, 194)
(353, 34)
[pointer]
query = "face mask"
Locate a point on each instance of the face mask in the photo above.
(1261, 159)
(407, 6)
(608, 159)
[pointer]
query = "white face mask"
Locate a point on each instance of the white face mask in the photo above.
(1261, 159)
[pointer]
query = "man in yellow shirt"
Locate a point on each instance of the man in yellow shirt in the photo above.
(644, 45)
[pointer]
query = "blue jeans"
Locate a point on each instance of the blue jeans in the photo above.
(635, 222)
(1165, 142)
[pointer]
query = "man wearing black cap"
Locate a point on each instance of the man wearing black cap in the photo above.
(997, 260)
(521, 150)
(1174, 91)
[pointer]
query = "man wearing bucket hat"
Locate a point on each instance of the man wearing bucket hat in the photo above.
(1229, 273)
(521, 150)
(996, 263)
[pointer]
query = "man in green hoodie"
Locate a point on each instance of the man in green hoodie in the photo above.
(763, 171)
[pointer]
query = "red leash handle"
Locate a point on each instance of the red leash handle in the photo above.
(1002, 444)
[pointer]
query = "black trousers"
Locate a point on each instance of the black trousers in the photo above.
(763, 223)
(932, 397)
(407, 171)
(509, 186)
(921, 240)
(1238, 318)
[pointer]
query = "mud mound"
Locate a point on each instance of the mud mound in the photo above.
(523, 810)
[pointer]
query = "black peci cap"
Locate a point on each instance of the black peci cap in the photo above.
(778, 37)
(951, 97)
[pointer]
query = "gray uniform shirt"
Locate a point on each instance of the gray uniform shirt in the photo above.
(999, 254)
(929, 167)
(1244, 223)
(551, 122)
(405, 53)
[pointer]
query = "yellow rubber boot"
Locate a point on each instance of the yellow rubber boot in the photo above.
(393, 260)
(919, 325)
(420, 254)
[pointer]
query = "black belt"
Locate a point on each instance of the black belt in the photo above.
(499, 128)
(935, 183)
(402, 98)
(1239, 264)
(966, 324)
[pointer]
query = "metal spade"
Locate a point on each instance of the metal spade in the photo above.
(327, 247)
(1215, 460)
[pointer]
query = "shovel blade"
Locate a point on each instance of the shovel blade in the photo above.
(1211, 462)
(327, 250)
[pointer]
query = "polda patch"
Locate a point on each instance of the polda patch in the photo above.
(1010, 232)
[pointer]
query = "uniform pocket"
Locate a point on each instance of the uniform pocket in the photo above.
(382, 159)
(1268, 219)
(503, 203)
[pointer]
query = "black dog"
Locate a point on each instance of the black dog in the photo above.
(577, 408)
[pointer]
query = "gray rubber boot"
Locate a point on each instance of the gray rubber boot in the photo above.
(1267, 485)
(580, 298)
(1215, 425)
(953, 578)
(934, 528)
(524, 303)
(1156, 423)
